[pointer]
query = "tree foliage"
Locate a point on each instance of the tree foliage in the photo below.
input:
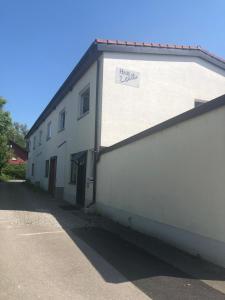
(5, 131)
(15, 171)
(9, 131)
(2, 102)
(18, 134)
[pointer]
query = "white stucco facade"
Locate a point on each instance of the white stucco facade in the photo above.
(167, 86)
(77, 136)
(170, 184)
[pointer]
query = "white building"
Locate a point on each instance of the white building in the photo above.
(117, 90)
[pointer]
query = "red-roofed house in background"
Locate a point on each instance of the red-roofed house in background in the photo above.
(19, 154)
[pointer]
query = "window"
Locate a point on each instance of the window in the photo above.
(49, 131)
(40, 137)
(46, 168)
(34, 142)
(84, 103)
(62, 119)
(32, 170)
(73, 170)
(199, 102)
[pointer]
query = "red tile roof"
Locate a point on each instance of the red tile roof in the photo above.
(157, 45)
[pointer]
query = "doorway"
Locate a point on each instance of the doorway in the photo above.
(52, 175)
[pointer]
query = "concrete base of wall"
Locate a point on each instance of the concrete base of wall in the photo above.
(59, 193)
(209, 249)
(69, 198)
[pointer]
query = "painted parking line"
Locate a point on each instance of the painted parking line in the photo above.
(5, 221)
(40, 233)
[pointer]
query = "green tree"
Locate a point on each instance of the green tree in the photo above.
(2, 102)
(6, 130)
(18, 134)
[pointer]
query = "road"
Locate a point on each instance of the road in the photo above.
(50, 253)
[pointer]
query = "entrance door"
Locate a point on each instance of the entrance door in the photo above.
(81, 181)
(52, 175)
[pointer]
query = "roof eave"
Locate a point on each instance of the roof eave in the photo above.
(84, 64)
(191, 52)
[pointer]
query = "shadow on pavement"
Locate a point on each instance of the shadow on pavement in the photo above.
(154, 277)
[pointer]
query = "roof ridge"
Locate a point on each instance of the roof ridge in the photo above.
(157, 45)
(146, 44)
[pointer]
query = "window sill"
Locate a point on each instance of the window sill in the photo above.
(82, 116)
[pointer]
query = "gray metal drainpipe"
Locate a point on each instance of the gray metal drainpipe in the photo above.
(96, 141)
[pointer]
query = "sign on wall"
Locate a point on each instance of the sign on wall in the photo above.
(127, 77)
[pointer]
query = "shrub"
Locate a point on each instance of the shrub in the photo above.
(4, 178)
(15, 171)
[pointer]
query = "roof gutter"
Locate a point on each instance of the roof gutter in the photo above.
(90, 56)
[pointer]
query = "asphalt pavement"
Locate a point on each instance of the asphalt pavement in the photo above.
(49, 253)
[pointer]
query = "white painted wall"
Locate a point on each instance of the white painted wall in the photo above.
(171, 185)
(169, 86)
(77, 136)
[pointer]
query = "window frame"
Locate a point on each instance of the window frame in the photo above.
(60, 123)
(47, 165)
(40, 137)
(49, 130)
(81, 102)
(73, 165)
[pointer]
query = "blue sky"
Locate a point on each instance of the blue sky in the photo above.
(41, 41)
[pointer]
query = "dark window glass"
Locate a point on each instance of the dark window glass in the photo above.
(62, 118)
(49, 131)
(40, 137)
(85, 102)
